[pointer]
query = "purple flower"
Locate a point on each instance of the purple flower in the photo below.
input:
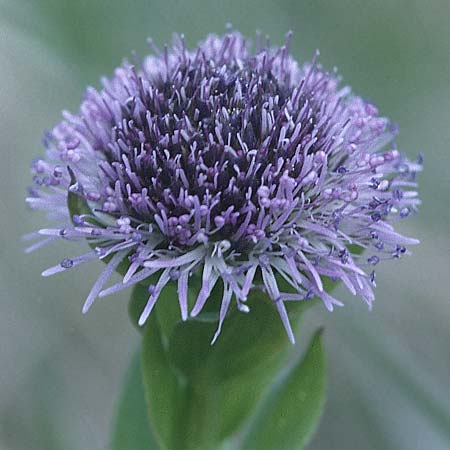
(242, 167)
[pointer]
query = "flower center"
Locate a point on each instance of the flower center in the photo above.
(206, 150)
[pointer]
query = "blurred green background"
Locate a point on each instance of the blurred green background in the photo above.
(389, 370)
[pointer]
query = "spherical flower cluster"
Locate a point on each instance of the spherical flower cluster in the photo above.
(242, 167)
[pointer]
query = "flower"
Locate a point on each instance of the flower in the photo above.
(240, 166)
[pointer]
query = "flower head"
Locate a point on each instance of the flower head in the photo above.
(240, 166)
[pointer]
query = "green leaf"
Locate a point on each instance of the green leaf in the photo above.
(163, 390)
(289, 414)
(200, 394)
(169, 395)
(246, 341)
(132, 429)
(227, 380)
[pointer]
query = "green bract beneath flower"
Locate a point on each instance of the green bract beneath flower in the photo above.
(240, 166)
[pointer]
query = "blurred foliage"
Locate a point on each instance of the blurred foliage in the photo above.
(389, 369)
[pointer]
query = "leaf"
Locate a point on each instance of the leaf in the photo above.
(234, 372)
(200, 394)
(163, 390)
(169, 395)
(132, 430)
(289, 414)
(246, 341)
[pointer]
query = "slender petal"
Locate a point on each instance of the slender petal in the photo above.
(101, 280)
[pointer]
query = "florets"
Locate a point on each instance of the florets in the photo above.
(240, 166)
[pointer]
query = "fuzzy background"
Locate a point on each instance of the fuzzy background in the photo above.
(389, 370)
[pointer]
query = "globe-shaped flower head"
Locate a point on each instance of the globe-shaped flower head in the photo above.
(239, 167)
